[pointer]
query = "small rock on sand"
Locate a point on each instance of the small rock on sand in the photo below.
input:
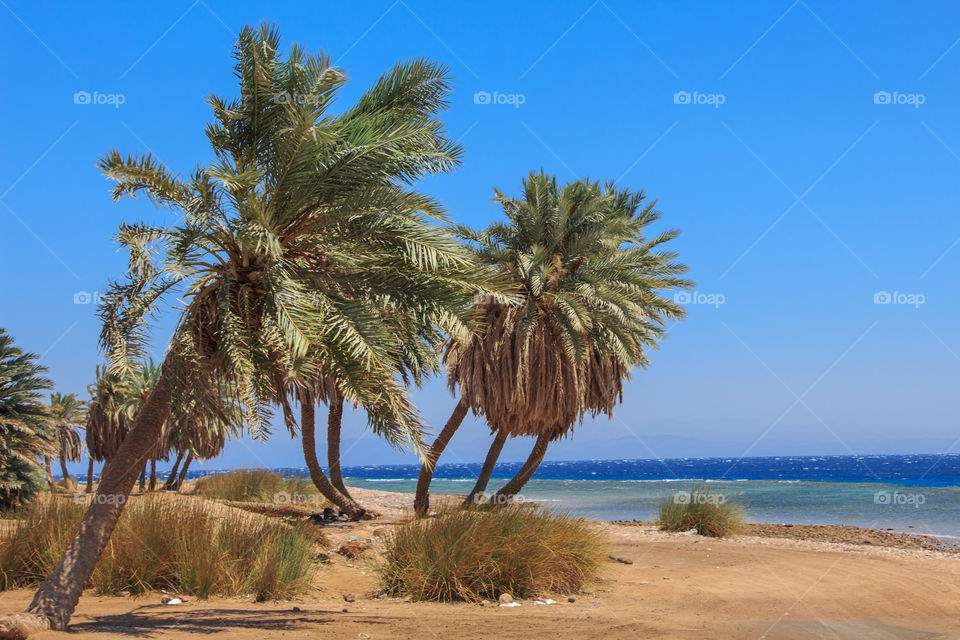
(349, 597)
(506, 598)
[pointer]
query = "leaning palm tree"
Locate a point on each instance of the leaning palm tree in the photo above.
(590, 281)
(67, 413)
(299, 206)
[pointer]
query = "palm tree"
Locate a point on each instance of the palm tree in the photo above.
(26, 433)
(590, 283)
(68, 412)
(299, 208)
(415, 357)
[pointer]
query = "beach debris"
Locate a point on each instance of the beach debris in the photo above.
(166, 600)
(542, 601)
(510, 604)
(691, 532)
(506, 598)
(484, 603)
(121, 594)
(353, 550)
(363, 635)
(571, 599)
(621, 560)
(349, 597)
(345, 610)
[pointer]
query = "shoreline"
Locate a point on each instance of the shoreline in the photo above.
(774, 581)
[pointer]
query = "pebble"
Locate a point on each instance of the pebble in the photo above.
(349, 597)
(571, 599)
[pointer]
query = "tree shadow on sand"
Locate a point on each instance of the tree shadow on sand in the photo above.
(159, 618)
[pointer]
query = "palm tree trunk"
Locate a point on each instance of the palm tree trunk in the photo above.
(526, 472)
(421, 502)
(153, 474)
(46, 465)
(143, 477)
(334, 420)
(183, 471)
(487, 470)
(320, 481)
(63, 467)
(172, 476)
(90, 476)
(57, 597)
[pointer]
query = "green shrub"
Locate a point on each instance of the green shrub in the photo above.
(710, 514)
(477, 553)
(181, 545)
(255, 485)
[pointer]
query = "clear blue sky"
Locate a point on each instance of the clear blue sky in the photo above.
(801, 194)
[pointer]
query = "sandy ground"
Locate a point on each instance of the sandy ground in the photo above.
(677, 587)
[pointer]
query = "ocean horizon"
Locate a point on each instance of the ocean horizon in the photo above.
(914, 493)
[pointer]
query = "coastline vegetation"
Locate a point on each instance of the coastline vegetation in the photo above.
(181, 545)
(710, 514)
(259, 485)
(483, 552)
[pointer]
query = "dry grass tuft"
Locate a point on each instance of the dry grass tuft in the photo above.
(257, 485)
(483, 552)
(710, 514)
(185, 546)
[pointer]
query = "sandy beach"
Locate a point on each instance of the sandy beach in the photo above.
(677, 586)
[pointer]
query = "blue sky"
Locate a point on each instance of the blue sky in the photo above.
(808, 150)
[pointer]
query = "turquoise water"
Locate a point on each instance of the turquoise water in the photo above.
(929, 510)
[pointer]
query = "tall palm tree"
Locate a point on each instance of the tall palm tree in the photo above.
(299, 208)
(26, 433)
(67, 413)
(590, 282)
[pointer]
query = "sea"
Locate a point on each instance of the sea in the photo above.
(917, 494)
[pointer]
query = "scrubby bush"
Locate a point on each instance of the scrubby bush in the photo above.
(257, 485)
(477, 553)
(709, 513)
(186, 546)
